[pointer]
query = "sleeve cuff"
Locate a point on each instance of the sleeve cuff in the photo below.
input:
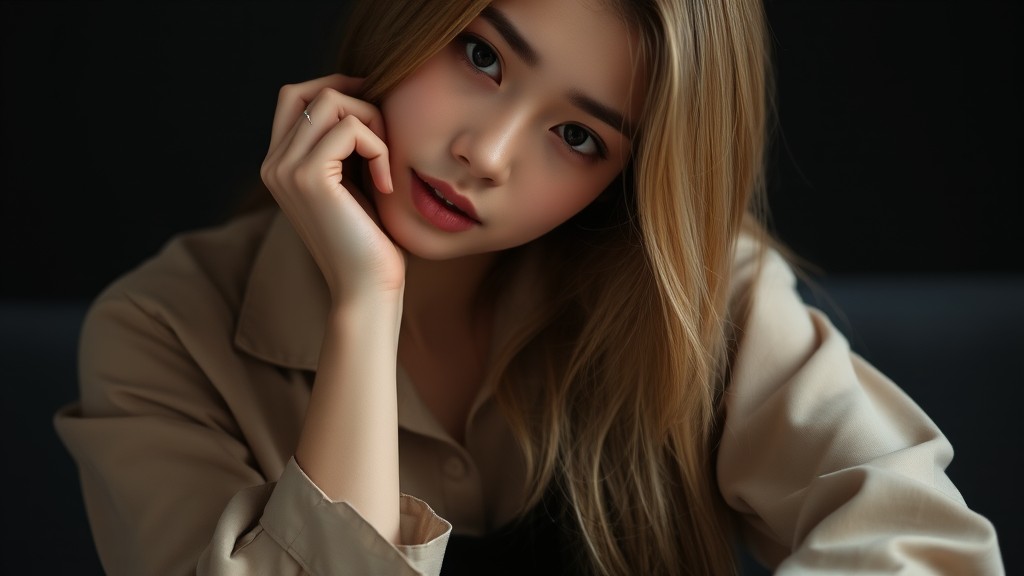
(328, 537)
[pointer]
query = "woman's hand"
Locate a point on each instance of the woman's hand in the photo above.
(305, 170)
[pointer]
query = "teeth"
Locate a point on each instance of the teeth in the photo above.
(443, 199)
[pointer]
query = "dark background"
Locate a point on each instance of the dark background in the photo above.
(121, 124)
(898, 150)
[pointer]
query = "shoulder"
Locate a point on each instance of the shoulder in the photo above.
(195, 268)
(762, 281)
(173, 313)
(785, 353)
(821, 453)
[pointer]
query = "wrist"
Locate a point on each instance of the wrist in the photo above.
(368, 315)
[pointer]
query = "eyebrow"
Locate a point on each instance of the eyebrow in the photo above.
(609, 116)
(511, 35)
(520, 46)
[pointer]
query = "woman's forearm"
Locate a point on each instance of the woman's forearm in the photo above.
(349, 441)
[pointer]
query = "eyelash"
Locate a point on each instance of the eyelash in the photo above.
(599, 153)
(464, 42)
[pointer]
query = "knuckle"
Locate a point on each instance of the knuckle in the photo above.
(327, 93)
(286, 92)
(277, 174)
(351, 122)
(268, 172)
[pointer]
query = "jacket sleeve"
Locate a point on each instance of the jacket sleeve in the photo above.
(831, 467)
(171, 485)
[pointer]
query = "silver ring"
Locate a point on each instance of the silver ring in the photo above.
(308, 119)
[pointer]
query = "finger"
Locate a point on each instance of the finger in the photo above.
(324, 112)
(328, 110)
(352, 136)
(292, 99)
(330, 107)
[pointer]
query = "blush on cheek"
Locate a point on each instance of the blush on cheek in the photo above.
(422, 95)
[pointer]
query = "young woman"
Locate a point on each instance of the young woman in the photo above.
(511, 312)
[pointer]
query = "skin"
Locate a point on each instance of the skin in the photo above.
(499, 126)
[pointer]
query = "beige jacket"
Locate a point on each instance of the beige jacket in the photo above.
(195, 372)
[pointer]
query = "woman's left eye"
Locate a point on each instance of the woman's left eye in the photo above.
(482, 57)
(580, 140)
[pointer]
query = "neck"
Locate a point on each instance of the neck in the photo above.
(442, 294)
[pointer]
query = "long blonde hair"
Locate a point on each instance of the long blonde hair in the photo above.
(613, 391)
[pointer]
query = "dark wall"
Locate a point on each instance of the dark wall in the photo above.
(123, 123)
(900, 140)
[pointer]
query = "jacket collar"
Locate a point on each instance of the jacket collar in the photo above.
(284, 310)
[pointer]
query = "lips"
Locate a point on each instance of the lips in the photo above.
(441, 206)
(451, 198)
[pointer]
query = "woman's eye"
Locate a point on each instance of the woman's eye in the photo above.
(483, 58)
(579, 139)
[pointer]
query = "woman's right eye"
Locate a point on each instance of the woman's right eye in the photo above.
(482, 57)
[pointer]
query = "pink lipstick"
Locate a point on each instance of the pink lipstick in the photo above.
(441, 206)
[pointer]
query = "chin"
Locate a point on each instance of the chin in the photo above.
(420, 241)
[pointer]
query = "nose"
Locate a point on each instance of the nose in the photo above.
(487, 145)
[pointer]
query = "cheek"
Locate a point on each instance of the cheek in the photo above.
(552, 202)
(419, 105)
(566, 186)
(565, 206)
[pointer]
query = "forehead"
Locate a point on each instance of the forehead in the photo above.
(582, 45)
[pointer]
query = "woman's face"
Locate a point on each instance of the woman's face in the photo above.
(513, 128)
